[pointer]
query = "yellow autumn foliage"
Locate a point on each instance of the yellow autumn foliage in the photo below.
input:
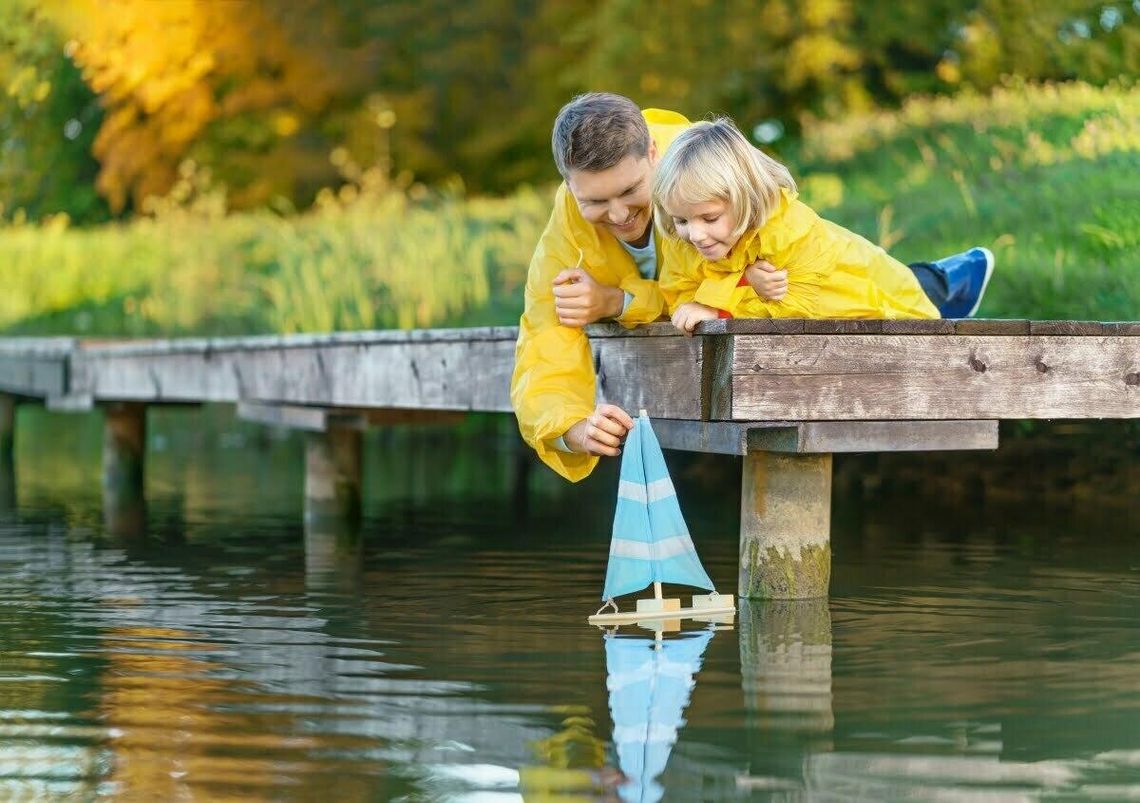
(166, 71)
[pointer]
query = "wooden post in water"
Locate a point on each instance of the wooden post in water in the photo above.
(333, 474)
(785, 525)
(7, 452)
(124, 459)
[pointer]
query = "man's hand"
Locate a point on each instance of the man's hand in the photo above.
(580, 300)
(690, 314)
(766, 280)
(602, 433)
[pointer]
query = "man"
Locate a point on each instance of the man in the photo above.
(598, 259)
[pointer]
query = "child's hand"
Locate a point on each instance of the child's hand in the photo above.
(766, 280)
(602, 433)
(689, 315)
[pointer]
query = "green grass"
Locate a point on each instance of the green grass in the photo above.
(1043, 175)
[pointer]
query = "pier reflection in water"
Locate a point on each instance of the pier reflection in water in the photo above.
(230, 651)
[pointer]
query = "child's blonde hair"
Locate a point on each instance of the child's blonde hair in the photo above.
(712, 161)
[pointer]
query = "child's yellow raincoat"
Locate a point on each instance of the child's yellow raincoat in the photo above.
(832, 272)
(553, 383)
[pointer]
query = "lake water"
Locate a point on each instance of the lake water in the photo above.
(968, 651)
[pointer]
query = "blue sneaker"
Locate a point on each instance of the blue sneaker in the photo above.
(967, 275)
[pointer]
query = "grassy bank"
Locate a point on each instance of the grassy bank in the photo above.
(1045, 176)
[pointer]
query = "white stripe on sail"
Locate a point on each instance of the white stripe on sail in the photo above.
(645, 734)
(660, 489)
(633, 491)
(661, 550)
(656, 490)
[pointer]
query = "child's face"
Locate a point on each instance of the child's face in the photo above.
(708, 226)
(618, 199)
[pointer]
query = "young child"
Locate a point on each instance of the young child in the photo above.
(734, 204)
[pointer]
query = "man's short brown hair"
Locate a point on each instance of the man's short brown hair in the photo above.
(597, 130)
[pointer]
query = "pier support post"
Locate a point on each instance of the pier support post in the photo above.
(7, 452)
(124, 458)
(785, 526)
(333, 474)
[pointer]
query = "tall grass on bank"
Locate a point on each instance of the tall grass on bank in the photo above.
(363, 258)
(1043, 175)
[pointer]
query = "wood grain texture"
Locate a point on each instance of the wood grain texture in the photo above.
(34, 375)
(876, 377)
(661, 375)
(824, 437)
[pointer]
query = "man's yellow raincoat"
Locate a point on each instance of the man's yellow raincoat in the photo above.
(832, 272)
(553, 385)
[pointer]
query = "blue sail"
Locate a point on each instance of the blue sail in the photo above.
(650, 543)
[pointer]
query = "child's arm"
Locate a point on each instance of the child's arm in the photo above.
(645, 304)
(681, 273)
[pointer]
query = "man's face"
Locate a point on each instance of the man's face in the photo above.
(618, 198)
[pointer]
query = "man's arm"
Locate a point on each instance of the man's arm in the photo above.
(553, 383)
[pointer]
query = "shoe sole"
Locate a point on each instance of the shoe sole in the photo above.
(985, 281)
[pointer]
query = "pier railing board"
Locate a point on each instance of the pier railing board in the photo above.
(747, 370)
(922, 377)
(825, 437)
(35, 366)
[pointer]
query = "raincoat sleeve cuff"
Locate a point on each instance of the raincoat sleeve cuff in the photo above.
(644, 304)
(559, 444)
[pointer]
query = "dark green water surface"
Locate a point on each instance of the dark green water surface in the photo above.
(968, 651)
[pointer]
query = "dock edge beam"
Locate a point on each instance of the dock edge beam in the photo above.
(785, 526)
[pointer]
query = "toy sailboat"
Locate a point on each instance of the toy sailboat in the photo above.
(651, 544)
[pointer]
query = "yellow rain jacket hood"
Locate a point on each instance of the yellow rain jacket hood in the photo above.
(553, 384)
(832, 272)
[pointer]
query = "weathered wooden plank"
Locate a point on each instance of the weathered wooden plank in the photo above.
(450, 374)
(716, 377)
(918, 327)
(843, 327)
(661, 375)
(823, 437)
(711, 437)
(816, 377)
(661, 328)
(306, 419)
(37, 375)
(758, 326)
(1067, 328)
(319, 419)
(991, 326)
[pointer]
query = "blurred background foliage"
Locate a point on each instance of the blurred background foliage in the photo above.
(286, 165)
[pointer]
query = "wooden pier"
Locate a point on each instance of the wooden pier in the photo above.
(784, 394)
